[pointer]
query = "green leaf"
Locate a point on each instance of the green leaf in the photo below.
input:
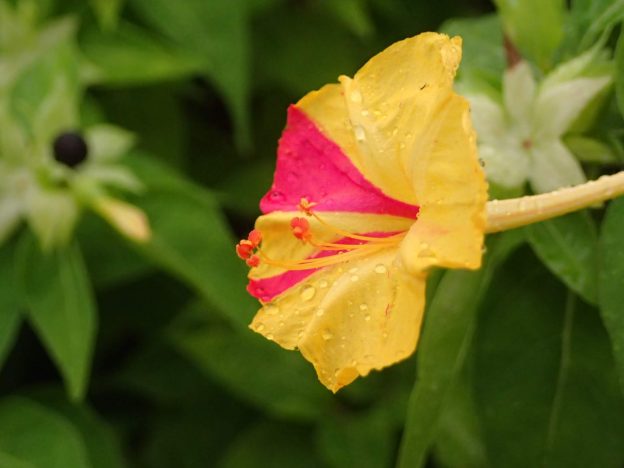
(107, 12)
(191, 240)
(534, 26)
(619, 72)
(361, 440)
(567, 246)
(271, 445)
(10, 314)
(611, 276)
(9, 461)
(588, 19)
(215, 32)
(445, 339)
(256, 370)
(545, 381)
(131, 55)
(61, 308)
(39, 437)
(482, 46)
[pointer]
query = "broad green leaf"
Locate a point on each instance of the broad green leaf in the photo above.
(103, 448)
(447, 333)
(215, 32)
(534, 26)
(619, 72)
(612, 280)
(459, 440)
(131, 55)
(567, 246)
(354, 15)
(10, 313)
(38, 436)
(482, 46)
(60, 307)
(272, 445)
(302, 62)
(190, 239)
(362, 440)
(256, 370)
(9, 461)
(545, 383)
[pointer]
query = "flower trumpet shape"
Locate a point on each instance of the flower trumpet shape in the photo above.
(377, 181)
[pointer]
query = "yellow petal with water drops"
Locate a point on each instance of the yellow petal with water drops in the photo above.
(380, 117)
(350, 318)
(452, 193)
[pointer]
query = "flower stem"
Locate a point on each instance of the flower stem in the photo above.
(503, 215)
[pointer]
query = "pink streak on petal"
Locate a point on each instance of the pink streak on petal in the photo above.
(266, 289)
(309, 165)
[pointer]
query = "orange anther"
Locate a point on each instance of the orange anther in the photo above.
(300, 228)
(255, 237)
(306, 206)
(253, 261)
(244, 249)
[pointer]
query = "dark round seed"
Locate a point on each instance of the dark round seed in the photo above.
(70, 148)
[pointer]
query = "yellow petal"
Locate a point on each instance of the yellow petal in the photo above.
(349, 319)
(381, 115)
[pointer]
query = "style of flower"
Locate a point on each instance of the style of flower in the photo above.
(377, 181)
(520, 132)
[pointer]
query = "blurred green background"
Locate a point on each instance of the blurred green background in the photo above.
(117, 353)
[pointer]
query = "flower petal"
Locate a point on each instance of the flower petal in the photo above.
(488, 118)
(452, 192)
(380, 117)
(311, 166)
(349, 319)
(519, 94)
(557, 106)
(505, 164)
(553, 166)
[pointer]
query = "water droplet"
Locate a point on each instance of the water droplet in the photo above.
(270, 336)
(327, 335)
(360, 134)
(363, 307)
(307, 293)
(354, 363)
(395, 130)
(320, 312)
(367, 317)
(364, 113)
(384, 335)
(356, 96)
(260, 327)
(353, 270)
(297, 311)
(323, 284)
(381, 269)
(281, 324)
(354, 278)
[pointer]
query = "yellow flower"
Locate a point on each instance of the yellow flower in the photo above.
(377, 181)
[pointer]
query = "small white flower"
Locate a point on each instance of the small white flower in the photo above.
(520, 133)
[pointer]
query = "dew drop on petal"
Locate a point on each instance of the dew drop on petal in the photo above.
(260, 327)
(354, 278)
(320, 312)
(381, 269)
(327, 335)
(323, 284)
(353, 270)
(360, 134)
(307, 293)
(367, 317)
(363, 307)
(356, 96)
(269, 336)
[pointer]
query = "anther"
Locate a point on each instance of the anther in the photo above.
(253, 261)
(244, 249)
(301, 228)
(306, 206)
(255, 237)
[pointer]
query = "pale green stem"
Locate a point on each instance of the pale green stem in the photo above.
(503, 215)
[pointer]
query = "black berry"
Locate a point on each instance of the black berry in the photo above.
(70, 149)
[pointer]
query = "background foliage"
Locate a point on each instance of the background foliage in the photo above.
(119, 354)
